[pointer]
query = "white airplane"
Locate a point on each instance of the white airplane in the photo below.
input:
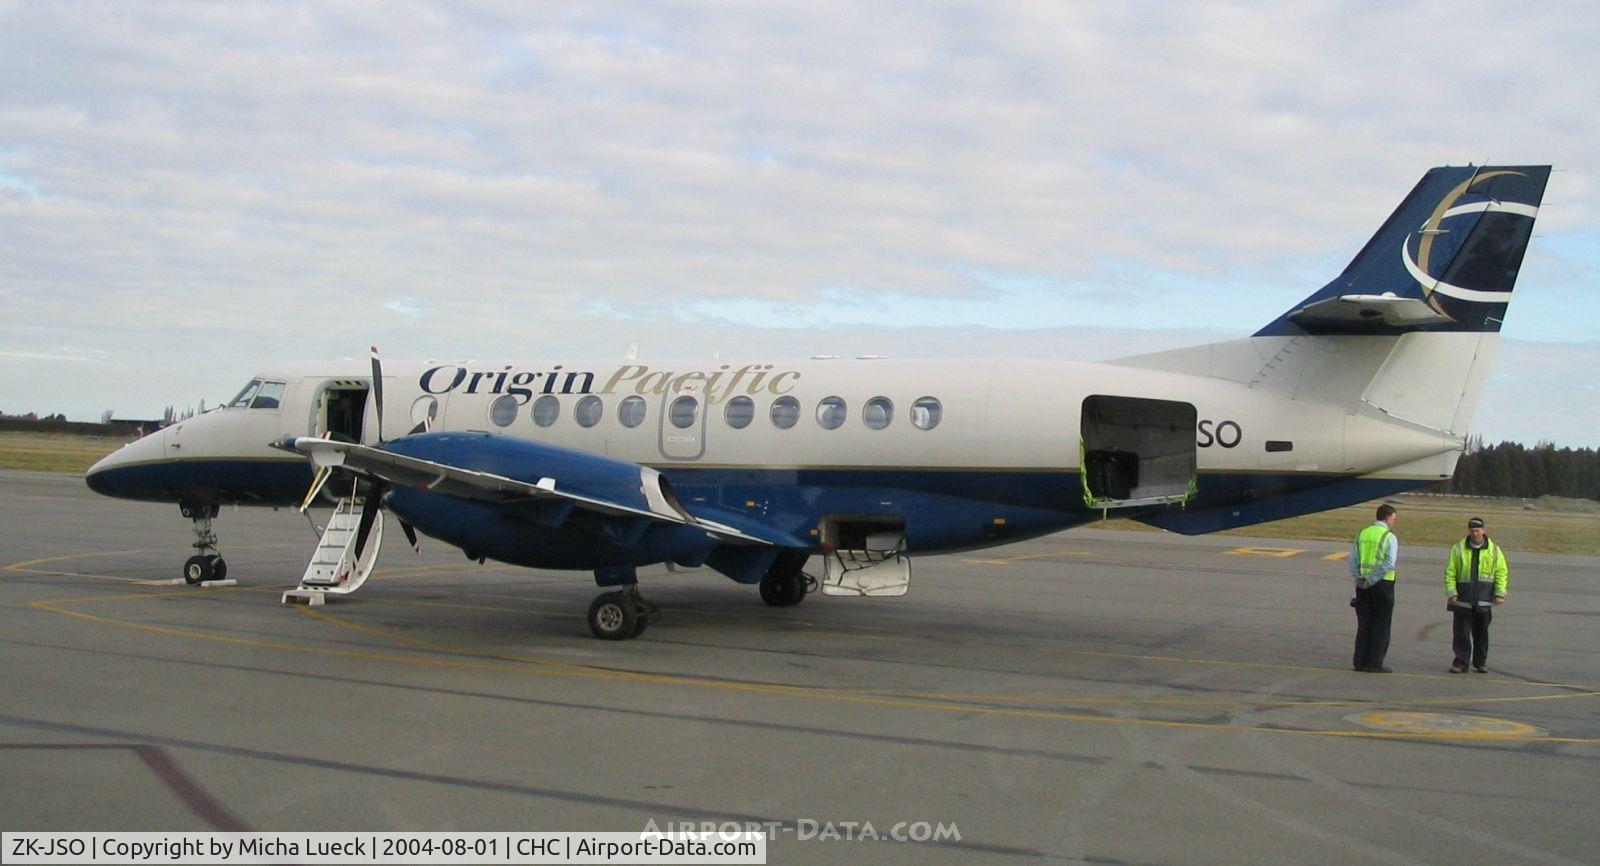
(1362, 390)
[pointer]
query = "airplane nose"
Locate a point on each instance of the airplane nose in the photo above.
(96, 477)
(116, 473)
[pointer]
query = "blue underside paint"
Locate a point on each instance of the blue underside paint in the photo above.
(944, 510)
(223, 482)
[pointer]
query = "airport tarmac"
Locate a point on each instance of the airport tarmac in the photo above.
(1095, 697)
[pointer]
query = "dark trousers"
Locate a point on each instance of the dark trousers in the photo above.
(1471, 636)
(1374, 610)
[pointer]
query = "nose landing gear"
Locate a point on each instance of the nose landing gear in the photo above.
(206, 567)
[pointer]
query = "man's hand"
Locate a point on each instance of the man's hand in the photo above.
(1499, 600)
(1455, 599)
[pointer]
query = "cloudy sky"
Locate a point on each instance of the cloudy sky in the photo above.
(190, 192)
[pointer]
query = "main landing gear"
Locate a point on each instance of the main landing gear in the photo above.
(786, 584)
(207, 565)
(621, 614)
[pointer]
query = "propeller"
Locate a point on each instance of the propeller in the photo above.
(377, 487)
(374, 502)
(369, 513)
(377, 391)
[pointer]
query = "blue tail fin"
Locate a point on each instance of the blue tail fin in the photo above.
(1445, 260)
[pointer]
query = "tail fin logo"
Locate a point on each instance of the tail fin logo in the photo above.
(1435, 289)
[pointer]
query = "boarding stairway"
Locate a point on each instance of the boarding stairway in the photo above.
(334, 568)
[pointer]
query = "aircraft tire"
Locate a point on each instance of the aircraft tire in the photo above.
(219, 567)
(785, 590)
(197, 570)
(612, 617)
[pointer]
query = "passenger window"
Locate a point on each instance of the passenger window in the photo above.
(683, 412)
(740, 411)
(878, 412)
(503, 410)
(588, 411)
(249, 393)
(631, 411)
(785, 412)
(267, 396)
(831, 412)
(546, 410)
(926, 413)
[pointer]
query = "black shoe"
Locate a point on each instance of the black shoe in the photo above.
(1379, 670)
(1458, 668)
(1482, 669)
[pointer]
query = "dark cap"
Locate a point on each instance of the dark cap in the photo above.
(1475, 523)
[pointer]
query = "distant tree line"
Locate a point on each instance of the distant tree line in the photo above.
(1515, 470)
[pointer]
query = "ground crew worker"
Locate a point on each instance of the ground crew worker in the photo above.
(1372, 567)
(1475, 579)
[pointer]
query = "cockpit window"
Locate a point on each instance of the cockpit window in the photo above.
(268, 396)
(245, 396)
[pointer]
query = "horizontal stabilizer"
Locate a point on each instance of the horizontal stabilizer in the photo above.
(1351, 314)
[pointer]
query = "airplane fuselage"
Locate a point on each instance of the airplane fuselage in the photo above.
(970, 453)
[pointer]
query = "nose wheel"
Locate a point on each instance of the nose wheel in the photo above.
(204, 568)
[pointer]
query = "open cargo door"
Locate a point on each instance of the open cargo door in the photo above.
(1137, 451)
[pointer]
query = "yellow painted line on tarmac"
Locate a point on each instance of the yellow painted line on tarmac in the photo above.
(57, 607)
(418, 570)
(1239, 702)
(471, 658)
(26, 566)
(1274, 552)
(1335, 557)
(407, 571)
(1007, 560)
(20, 496)
(881, 699)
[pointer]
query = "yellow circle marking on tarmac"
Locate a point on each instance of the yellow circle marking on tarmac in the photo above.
(475, 658)
(26, 566)
(1404, 722)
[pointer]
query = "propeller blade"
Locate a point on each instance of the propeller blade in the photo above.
(377, 391)
(369, 512)
(411, 536)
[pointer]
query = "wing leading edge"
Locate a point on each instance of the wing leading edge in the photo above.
(433, 476)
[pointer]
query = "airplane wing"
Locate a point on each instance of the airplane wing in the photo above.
(655, 502)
